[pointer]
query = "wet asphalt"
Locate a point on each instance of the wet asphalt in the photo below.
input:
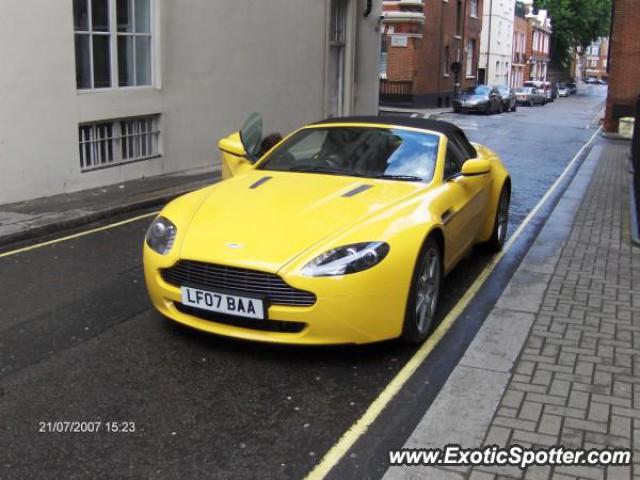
(79, 342)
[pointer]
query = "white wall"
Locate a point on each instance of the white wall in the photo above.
(217, 62)
(497, 23)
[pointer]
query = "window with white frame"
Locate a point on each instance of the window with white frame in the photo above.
(113, 142)
(471, 46)
(113, 43)
(473, 7)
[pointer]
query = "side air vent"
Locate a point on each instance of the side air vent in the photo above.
(357, 190)
(260, 182)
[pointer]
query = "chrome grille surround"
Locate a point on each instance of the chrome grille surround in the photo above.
(214, 277)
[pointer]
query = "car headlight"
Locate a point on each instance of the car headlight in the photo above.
(160, 235)
(347, 259)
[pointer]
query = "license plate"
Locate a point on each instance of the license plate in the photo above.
(223, 303)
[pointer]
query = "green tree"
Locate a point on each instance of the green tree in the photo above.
(576, 23)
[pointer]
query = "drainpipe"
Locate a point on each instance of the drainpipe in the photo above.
(486, 72)
(368, 8)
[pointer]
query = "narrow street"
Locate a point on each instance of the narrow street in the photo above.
(80, 342)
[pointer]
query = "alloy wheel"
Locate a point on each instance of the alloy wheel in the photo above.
(503, 216)
(427, 290)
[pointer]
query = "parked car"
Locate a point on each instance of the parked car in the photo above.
(573, 88)
(358, 257)
(601, 81)
(530, 96)
(480, 98)
(591, 80)
(563, 90)
(543, 87)
(509, 102)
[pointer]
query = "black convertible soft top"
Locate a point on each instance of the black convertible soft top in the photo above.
(446, 128)
(427, 124)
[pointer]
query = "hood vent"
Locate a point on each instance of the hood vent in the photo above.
(260, 182)
(357, 190)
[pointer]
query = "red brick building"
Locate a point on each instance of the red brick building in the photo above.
(624, 63)
(538, 42)
(519, 60)
(421, 40)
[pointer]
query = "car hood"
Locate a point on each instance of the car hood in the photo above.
(263, 224)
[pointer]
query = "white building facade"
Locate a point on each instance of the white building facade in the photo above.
(496, 42)
(95, 92)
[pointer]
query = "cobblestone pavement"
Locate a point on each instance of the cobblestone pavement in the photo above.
(577, 379)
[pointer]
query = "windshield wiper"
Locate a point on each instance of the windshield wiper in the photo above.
(316, 169)
(408, 178)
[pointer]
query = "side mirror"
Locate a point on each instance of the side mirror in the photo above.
(475, 166)
(232, 144)
(251, 136)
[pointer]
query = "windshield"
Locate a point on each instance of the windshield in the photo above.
(478, 90)
(357, 151)
(524, 90)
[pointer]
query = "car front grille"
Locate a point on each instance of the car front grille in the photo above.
(208, 276)
(249, 323)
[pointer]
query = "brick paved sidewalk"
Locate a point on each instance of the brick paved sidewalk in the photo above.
(577, 380)
(557, 361)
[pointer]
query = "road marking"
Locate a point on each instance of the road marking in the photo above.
(349, 438)
(78, 235)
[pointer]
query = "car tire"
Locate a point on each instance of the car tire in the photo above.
(456, 109)
(515, 107)
(426, 283)
(500, 222)
(500, 108)
(531, 103)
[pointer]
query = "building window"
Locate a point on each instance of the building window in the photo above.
(113, 43)
(114, 142)
(445, 62)
(471, 46)
(474, 8)
(459, 18)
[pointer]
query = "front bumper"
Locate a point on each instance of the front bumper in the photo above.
(470, 107)
(335, 318)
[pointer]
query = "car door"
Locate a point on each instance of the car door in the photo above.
(467, 197)
(239, 151)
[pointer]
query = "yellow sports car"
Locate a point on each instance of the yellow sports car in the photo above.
(340, 233)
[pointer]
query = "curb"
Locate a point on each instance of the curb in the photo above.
(633, 207)
(92, 216)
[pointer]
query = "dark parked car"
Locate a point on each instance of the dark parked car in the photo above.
(481, 98)
(509, 102)
(573, 88)
(530, 96)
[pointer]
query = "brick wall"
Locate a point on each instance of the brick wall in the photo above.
(624, 66)
(401, 61)
(431, 85)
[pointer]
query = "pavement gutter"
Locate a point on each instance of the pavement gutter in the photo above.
(474, 389)
(54, 222)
